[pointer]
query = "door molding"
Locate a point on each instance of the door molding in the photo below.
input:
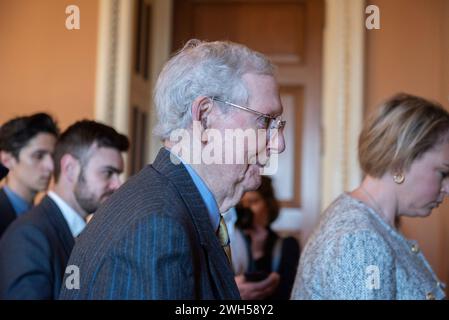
(343, 96)
(114, 62)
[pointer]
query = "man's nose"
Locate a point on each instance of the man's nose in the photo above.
(48, 163)
(445, 187)
(276, 143)
(115, 182)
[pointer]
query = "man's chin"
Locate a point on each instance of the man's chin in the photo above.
(258, 179)
(42, 186)
(254, 181)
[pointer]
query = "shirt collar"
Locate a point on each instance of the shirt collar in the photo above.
(230, 218)
(19, 204)
(73, 219)
(206, 194)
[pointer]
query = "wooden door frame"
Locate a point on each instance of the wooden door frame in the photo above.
(114, 51)
(343, 96)
(114, 63)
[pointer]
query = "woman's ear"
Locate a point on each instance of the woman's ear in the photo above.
(398, 174)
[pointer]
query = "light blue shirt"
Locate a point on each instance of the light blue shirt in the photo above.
(206, 194)
(74, 221)
(18, 203)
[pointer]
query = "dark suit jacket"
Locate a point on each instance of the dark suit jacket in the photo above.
(34, 252)
(3, 172)
(152, 239)
(7, 212)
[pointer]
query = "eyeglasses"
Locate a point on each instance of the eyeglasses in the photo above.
(272, 122)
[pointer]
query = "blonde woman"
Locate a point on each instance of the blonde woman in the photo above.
(356, 251)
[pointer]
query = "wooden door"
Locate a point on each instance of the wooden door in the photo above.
(290, 34)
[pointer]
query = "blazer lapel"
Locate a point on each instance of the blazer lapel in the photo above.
(220, 270)
(58, 222)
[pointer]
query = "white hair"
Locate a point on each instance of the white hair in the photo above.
(212, 69)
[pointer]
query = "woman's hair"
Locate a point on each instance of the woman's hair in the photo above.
(210, 69)
(267, 192)
(403, 129)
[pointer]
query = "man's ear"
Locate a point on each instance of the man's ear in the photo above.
(8, 160)
(70, 168)
(201, 109)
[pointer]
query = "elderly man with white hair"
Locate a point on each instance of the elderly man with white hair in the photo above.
(161, 235)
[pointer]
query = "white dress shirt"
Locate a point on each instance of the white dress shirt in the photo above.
(75, 222)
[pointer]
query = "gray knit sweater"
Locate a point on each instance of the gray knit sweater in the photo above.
(354, 254)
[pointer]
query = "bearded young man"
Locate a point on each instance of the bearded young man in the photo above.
(36, 247)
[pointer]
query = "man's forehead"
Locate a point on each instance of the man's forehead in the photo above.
(254, 81)
(105, 156)
(41, 141)
(263, 93)
(96, 151)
